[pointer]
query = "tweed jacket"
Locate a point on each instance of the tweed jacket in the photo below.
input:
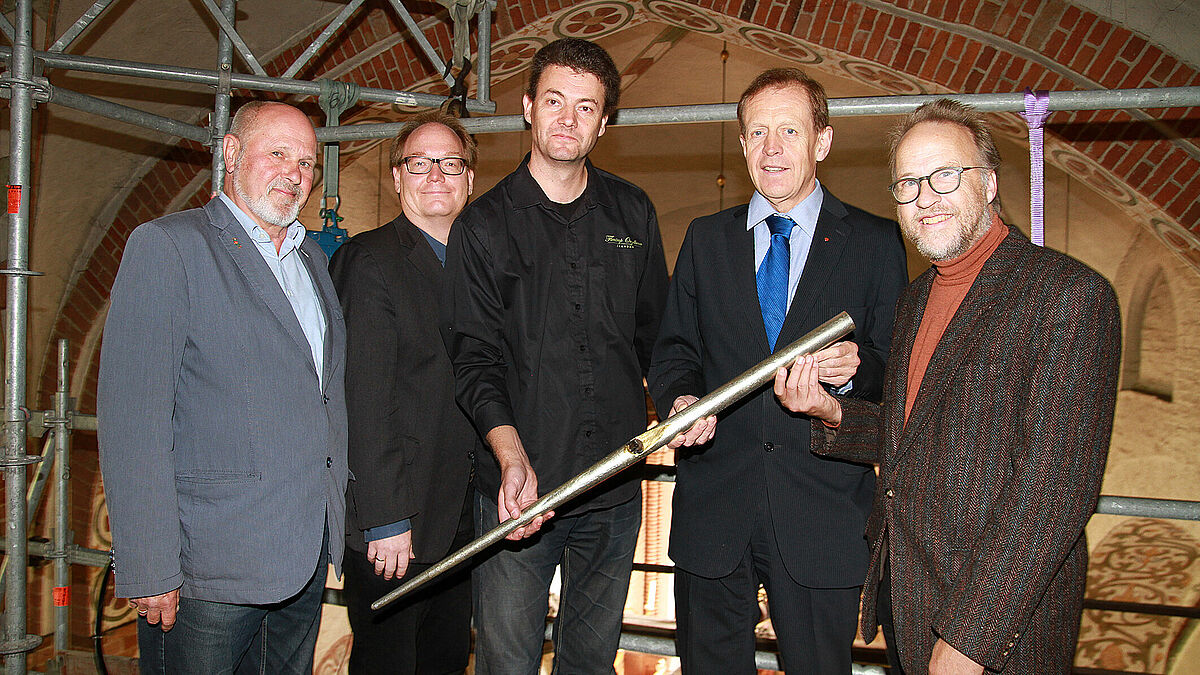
(983, 495)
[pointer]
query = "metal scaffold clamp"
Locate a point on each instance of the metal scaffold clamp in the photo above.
(335, 99)
(40, 86)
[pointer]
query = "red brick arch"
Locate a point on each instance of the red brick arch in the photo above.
(985, 46)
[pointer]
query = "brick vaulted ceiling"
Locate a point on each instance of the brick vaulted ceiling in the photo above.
(1145, 162)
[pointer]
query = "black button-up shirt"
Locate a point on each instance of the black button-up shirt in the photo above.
(550, 315)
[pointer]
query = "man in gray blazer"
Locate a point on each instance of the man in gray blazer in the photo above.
(222, 415)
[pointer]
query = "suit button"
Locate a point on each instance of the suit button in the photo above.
(768, 447)
(328, 462)
(890, 493)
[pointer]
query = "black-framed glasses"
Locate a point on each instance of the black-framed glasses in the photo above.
(418, 164)
(943, 181)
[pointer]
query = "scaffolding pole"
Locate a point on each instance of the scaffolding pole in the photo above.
(219, 122)
(1099, 99)
(280, 85)
(122, 113)
(19, 78)
(60, 423)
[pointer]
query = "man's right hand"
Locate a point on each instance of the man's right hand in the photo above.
(390, 555)
(518, 482)
(158, 609)
(700, 432)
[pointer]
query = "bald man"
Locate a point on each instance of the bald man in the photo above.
(223, 418)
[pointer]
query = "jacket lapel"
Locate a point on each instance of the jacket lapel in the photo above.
(318, 270)
(258, 276)
(983, 300)
(413, 249)
(743, 286)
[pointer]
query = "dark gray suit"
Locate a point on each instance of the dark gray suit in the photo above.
(223, 458)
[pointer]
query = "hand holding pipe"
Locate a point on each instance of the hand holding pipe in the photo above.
(652, 439)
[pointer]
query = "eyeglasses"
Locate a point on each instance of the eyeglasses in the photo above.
(418, 165)
(943, 181)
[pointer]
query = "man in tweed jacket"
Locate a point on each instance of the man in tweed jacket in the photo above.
(994, 429)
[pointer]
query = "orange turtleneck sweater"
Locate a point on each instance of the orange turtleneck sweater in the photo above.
(950, 286)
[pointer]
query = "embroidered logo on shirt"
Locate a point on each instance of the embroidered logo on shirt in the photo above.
(622, 242)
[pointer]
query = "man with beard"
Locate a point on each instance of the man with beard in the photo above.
(555, 285)
(994, 429)
(411, 446)
(222, 416)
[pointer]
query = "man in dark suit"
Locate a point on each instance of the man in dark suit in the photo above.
(752, 505)
(411, 446)
(222, 417)
(994, 429)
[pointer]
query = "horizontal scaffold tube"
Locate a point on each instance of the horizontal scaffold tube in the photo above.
(1105, 99)
(93, 64)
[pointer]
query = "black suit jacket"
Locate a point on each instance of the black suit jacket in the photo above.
(411, 446)
(711, 332)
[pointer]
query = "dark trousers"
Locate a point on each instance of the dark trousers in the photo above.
(883, 607)
(218, 638)
(715, 618)
(426, 633)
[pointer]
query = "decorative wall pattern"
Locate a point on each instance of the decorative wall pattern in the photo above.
(1145, 561)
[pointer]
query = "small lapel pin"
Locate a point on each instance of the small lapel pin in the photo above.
(826, 238)
(239, 244)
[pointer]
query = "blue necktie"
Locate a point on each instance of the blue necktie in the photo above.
(773, 277)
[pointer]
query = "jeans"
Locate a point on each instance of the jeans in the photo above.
(595, 550)
(218, 637)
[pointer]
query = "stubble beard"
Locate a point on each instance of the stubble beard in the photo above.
(939, 246)
(262, 206)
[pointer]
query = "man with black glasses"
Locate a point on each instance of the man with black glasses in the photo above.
(410, 446)
(994, 429)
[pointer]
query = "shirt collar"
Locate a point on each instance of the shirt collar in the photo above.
(292, 240)
(804, 214)
(526, 191)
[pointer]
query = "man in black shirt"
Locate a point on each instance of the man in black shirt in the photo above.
(555, 285)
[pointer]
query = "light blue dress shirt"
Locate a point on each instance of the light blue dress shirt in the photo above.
(293, 278)
(804, 215)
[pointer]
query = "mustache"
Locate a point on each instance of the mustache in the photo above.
(283, 184)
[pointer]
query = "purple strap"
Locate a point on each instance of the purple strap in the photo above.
(1037, 109)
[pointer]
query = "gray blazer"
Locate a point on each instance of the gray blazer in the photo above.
(223, 459)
